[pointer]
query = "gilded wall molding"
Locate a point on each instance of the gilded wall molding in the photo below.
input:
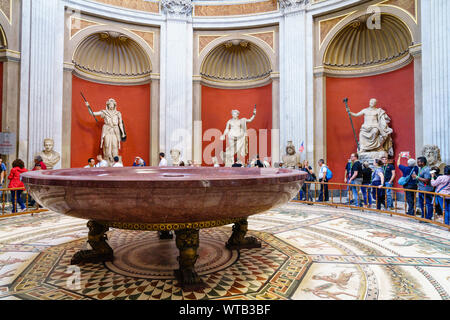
(78, 24)
(240, 9)
(139, 5)
(266, 36)
(6, 9)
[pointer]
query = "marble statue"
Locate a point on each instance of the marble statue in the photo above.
(291, 158)
(433, 155)
(375, 136)
(112, 131)
(236, 129)
(48, 155)
(175, 154)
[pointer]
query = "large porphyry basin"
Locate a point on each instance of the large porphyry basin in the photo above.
(162, 195)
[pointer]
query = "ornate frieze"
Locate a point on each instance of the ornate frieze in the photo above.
(292, 5)
(177, 7)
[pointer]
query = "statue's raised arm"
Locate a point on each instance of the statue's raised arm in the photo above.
(253, 116)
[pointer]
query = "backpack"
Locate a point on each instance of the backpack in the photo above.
(329, 175)
(404, 180)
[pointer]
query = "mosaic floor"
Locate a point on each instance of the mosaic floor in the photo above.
(308, 252)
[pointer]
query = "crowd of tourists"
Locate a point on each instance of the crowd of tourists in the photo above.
(368, 185)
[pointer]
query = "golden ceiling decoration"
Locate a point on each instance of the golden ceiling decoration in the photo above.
(235, 61)
(356, 45)
(112, 55)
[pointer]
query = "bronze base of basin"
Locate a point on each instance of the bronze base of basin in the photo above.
(238, 240)
(101, 251)
(187, 242)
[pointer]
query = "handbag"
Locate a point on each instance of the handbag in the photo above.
(404, 180)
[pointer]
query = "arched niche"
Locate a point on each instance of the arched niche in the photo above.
(236, 73)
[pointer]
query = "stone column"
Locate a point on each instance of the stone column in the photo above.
(10, 103)
(176, 78)
(275, 136)
(293, 124)
(154, 120)
(67, 116)
(41, 89)
(436, 74)
(197, 117)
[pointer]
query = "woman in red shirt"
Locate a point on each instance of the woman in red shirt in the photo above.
(15, 182)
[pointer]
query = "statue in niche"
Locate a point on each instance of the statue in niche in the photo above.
(375, 136)
(236, 129)
(433, 155)
(291, 158)
(175, 154)
(113, 131)
(48, 155)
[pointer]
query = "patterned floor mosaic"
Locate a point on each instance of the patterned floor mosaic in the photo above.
(308, 252)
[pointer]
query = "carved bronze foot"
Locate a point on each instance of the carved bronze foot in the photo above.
(100, 252)
(163, 235)
(187, 242)
(238, 240)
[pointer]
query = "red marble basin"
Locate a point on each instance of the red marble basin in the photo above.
(162, 195)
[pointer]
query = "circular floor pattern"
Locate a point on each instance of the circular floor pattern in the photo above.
(307, 253)
(152, 258)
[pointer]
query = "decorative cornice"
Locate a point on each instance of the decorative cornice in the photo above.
(179, 8)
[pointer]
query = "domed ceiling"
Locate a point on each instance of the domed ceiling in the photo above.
(357, 45)
(236, 61)
(111, 55)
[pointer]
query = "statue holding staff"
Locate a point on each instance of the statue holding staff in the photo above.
(236, 129)
(375, 140)
(113, 131)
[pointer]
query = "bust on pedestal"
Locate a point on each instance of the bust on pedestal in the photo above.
(48, 155)
(433, 155)
(291, 158)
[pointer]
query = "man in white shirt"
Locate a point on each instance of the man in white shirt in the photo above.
(91, 163)
(323, 178)
(117, 164)
(101, 162)
(163, 161)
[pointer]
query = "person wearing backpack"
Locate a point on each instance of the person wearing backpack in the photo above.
(324, 175)
(408, 182)
(442, 185)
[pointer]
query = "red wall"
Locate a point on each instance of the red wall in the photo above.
(217, 105)
(1, 94)
(395, 94)
(134, 104)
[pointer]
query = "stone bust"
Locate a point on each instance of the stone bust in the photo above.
(49, 156)
(175, 154)
(291, 158)
(433, 155)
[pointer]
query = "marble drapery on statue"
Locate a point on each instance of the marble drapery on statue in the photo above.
(48, 155)
(375, 135)
(113, 131)
(236, 129)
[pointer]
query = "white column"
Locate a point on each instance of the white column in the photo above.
(436, 74)
(293, 124)
(176, 79)
(41, 76)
